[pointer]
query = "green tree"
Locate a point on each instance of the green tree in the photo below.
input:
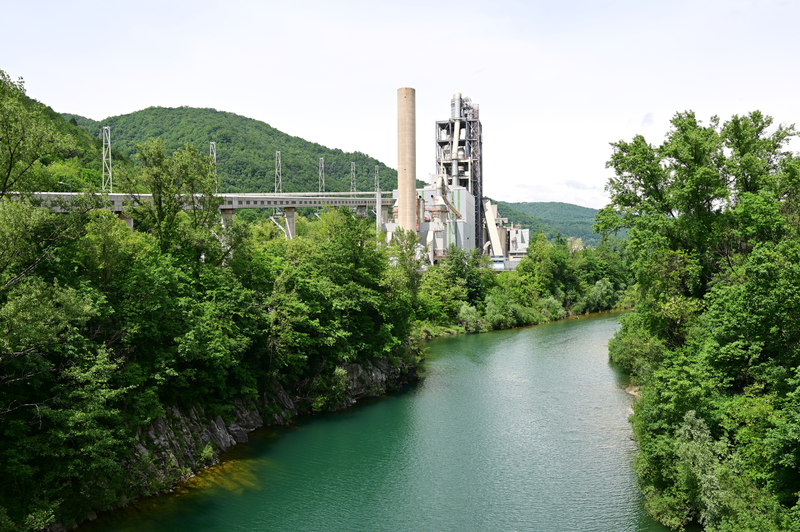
(473, 269)
(37, 319)
(537, 265)
(184, 181)
(403, 254)
(714, 245)
(25, 136)
(441, 294)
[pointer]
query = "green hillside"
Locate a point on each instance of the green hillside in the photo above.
(77, 164)
(245, 149)
(553, 218)
(556, 211)
(526, 221)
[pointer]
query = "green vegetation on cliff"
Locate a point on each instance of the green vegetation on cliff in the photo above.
(714, 231)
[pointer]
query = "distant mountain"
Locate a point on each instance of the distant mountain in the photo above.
(556, 211)
(553, 218)
(245, 149)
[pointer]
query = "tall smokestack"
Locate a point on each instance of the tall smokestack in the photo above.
(407, 158)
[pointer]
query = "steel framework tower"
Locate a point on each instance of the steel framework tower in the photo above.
(278, 176)
(107, 176)
(459, 154)
(212, 151)
(352, 177)
(377, 181)
(321, 174)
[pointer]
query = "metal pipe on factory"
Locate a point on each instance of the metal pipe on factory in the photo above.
(455, 112)
(407, 158)
(454, 153)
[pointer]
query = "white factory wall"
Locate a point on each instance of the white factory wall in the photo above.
(437, 236)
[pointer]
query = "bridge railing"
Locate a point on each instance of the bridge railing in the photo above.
(118, 202)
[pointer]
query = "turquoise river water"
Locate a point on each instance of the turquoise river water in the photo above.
(514, 430)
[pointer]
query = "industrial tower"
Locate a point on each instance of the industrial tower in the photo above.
(459, 154)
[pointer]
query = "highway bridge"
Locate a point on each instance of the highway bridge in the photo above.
(288, 203)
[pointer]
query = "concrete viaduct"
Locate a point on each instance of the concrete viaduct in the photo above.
(230, 203)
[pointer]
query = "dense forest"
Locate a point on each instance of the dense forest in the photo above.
(714, 241)
(245, 149)
(102, 328)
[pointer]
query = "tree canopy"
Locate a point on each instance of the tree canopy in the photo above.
(714, 243)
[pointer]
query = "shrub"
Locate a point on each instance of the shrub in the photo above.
(552, 308)
(470, 318)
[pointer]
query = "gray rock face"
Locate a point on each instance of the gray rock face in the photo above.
(217, 433)
(178, 440)
(375, 378)
(285, 402)
(169, 449)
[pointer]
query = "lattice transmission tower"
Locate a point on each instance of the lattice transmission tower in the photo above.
(377, 180)
(321, 175)
(352, 177)
(212, 151)
(278, 177)
(107, 176)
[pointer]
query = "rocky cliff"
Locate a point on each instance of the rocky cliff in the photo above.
(171, 449)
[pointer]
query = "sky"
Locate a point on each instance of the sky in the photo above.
(556, 81)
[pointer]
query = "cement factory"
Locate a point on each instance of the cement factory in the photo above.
(450, 210)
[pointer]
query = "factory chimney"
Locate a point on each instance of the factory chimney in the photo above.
(407, 158)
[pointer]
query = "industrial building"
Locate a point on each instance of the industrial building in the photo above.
(450, 209)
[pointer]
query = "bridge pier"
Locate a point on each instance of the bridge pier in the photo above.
(361, 210)
(381, 211)
(125, 218)
(227, 217)
(288, 213)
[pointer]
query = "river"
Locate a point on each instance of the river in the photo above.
(513, 430)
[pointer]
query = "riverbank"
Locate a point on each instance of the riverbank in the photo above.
(424, 330)
(174, 448)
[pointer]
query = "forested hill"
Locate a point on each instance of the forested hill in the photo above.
(552, 219)
(556, 212)
(246, 161)
(245, 149)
